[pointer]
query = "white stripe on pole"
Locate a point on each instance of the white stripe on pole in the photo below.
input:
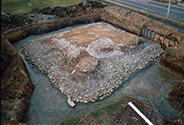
(168, 8)
(138, 112)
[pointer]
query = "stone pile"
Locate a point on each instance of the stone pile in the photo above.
(43, 16)
(91, 77)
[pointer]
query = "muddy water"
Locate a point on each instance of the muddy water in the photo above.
(49, 106)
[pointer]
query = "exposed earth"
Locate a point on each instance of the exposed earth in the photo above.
(17, 87)
(125, 115)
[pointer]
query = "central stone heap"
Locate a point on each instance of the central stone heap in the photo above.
(89, 62)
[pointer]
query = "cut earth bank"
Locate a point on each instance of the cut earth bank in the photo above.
(16, 86)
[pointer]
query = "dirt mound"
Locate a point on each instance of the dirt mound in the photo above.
(176, 96)
(94, 5)
(16, 85)
(13, 21)
(9, 21)
(73, 11)
(173, 59)
(46, 10)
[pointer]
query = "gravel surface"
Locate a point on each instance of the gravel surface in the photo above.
(114, 67)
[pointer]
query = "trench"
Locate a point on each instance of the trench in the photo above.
(151, 84)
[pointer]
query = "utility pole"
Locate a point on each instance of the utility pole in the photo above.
(168, 8)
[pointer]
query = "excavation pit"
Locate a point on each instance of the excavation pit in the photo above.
(88, 63)
(91, 69)
(94, 65)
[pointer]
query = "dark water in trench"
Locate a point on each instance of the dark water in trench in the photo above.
(151, 84)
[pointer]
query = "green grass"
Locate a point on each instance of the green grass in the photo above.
(96, 113)
(171, 51)
(45, 3)
(15, 6)
(87, 117)
(109, 109)
(71, 121)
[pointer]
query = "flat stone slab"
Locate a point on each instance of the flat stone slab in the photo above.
(87, 65)
(89, 62)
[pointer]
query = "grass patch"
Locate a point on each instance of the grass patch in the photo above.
(169, 50)
(71, 121)
(46, 3)
(87, 117)
(15, 6)
(96, 113)
(109, 109)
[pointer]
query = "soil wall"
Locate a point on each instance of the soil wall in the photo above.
(173, 59)
(16, 85)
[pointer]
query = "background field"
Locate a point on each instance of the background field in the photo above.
(21, 6)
